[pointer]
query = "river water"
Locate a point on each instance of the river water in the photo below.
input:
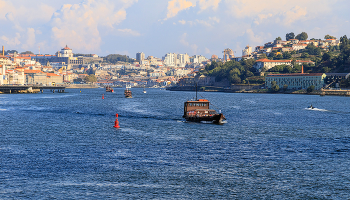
(64, 146)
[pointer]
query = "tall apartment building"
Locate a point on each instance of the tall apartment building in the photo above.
(198, 59)
(182, 60)
(140, 56)
(170, 59)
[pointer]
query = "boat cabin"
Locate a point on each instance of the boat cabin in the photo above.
(200, 105)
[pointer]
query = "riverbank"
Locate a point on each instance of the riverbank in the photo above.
(81, 86)
(322, 92)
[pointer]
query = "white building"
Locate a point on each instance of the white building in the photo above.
(198, 59)
(65, 52)
(268, 64)
(247, 51)
(182, 60)
(170, 59)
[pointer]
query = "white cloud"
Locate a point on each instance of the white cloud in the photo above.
(30, 42)
(205, 4)
(295, 14)
(175, 6)
(78, 25)
(281, 11)
(254, 38)
(208, 23)
(12, 41)
(129, 32)
(183, 22)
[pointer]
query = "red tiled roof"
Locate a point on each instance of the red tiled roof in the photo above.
(52, 74)
(32, 71)
(297, 74)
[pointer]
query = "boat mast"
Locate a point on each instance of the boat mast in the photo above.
(196, 93)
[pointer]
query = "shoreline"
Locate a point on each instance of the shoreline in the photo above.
(265, 91)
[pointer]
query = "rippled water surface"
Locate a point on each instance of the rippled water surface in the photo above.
(64, 146)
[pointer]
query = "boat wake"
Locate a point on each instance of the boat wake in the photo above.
(317, 109)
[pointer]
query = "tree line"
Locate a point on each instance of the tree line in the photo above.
(233, 71)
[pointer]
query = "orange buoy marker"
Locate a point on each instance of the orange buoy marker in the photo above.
(103, 96)
(116, 123)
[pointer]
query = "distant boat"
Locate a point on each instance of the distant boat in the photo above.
(109, 89)
(144, 91)
(127, 92)
(311, 107)
(198, 111)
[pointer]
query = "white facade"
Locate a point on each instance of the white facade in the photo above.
(247, 51)
(198, 59)
(268, 64)
(65, 52)
(183, 59)
(170, 59)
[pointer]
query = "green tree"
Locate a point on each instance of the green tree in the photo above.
(285, 87)
(27, 52)
(312, 50)
(302, 36)
(278, 38)
(305, 55)
(287, 55)
(325, 69)
(91, 78)
(278, 57)
(326, 56)
(77, 80)
(262, 56)
(114, 58)
(310, 89)
(290, 36)
(274, 87)
(10, 51)
(329, 37)
(90, 71)
(287, 69)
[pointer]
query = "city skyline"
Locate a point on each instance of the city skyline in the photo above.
(196, 27)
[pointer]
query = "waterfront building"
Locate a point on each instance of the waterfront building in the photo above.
(297, 80)
(268, 64)
(334, 79)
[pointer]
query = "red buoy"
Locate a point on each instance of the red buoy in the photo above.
(103, 96)
(116, 123)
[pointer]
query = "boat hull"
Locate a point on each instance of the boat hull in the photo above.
(215, 119)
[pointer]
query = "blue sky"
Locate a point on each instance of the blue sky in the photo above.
(157, 27)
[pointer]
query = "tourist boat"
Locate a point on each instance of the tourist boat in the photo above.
(109, 89)
(144, 91)
(198, 111)
(127, 92)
